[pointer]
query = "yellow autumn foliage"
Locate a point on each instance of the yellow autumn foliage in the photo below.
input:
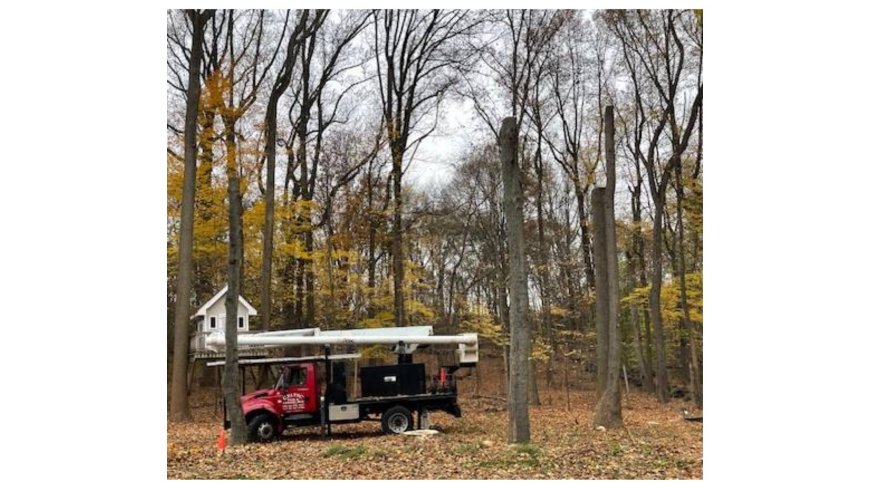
(670, 299)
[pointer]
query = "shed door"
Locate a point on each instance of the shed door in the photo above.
(222, 322)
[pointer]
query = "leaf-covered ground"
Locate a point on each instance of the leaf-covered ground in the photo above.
(656, 444)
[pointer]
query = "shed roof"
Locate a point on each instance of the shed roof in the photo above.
(202, 310)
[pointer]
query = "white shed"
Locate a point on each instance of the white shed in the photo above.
(212, 316)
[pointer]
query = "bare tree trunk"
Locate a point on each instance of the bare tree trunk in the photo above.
(398, 250)
(231, 371)
(372, 230)
(205, 267)
(584, 235)
(635, 327)
(544, 264)
(608, 411)
(179, 408)
(269, 220)
(602, 307)
(519, 429)
(637, 264)
(655, 305)
(330, 278)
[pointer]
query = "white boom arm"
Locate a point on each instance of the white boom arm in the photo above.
(404, 339)
(255, 340)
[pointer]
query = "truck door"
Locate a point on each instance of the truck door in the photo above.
(299, 395)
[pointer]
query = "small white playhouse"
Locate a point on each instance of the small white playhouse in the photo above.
(212, 317)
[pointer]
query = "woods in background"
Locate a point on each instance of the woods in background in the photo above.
(290, 134)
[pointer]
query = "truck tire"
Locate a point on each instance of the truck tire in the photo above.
(262, 428)
(396, 420)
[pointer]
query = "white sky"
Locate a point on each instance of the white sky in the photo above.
(433, 164)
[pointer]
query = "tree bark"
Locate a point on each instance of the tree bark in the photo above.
(179, 408)
(602, 304)
(655, 294)
(544, 266)
(269, 219)
(584, 235)
(608, 411)
(231, 372)
(398, 249)
(519, 429)
(637, 265)
(205, 266)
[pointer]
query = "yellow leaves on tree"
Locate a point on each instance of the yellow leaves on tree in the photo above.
(671, 308)
(483, 324)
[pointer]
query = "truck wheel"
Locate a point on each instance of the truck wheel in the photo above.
(396, 420)
(262, 428)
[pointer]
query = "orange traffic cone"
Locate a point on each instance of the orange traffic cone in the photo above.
(222, 441)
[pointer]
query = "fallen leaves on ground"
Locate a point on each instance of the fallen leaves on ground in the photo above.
(656, 443)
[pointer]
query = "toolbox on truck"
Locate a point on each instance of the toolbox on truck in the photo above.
(393, 380)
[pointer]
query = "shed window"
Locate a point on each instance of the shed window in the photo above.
(213, 322)
(241, 322)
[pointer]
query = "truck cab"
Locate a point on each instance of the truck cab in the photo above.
(294, 400)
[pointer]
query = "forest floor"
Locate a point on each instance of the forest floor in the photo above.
(655, 444)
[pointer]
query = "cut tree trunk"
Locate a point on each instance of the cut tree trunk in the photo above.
(231, 378)
(608, 411)
(519, 429)
(602, 307)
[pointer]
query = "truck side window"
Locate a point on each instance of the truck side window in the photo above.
(298, 376)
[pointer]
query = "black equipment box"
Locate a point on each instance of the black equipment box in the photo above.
(337, 388)
(393, 380)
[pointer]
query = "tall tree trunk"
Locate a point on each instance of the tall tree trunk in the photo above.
(179, 408)
(372, 230)
(231, 372)
(602, 304)
(608, 411)
(519, 429)
(398, 254)
(637, 264)
(647, 322)
(204, 266)
(269, 219)
(638, 346)
(655, 294)
(585, 246)
(568, 270)
(330, 277)
(544, 264)
(631, 279)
